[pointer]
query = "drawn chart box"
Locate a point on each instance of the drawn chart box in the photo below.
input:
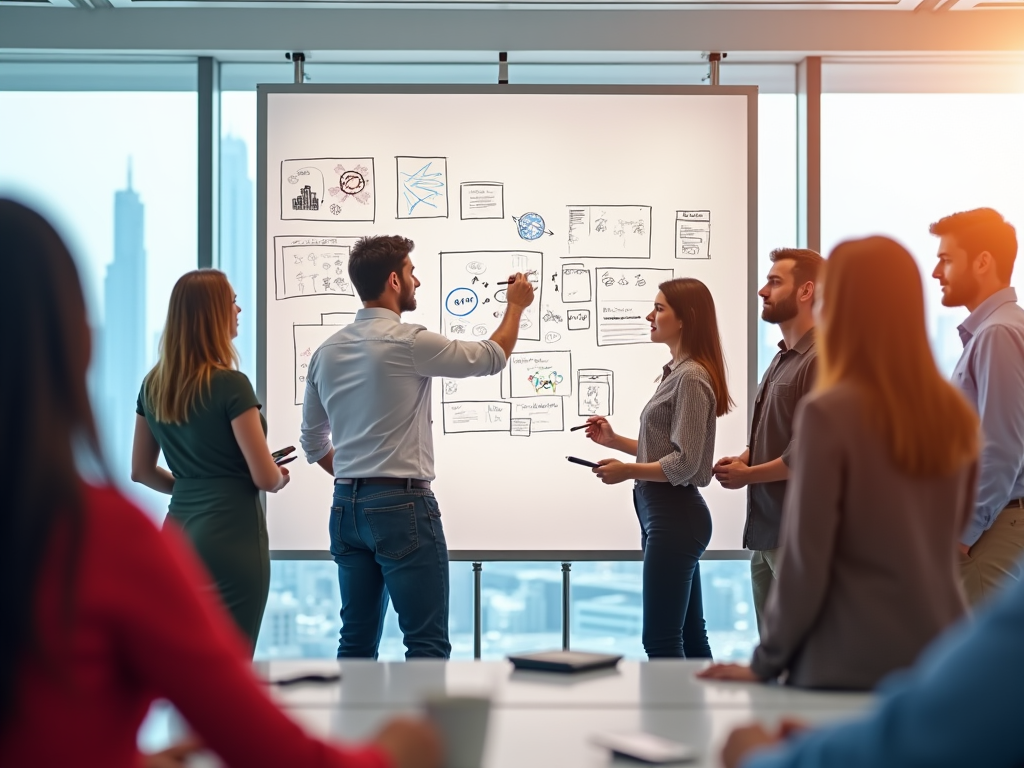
(308, 338)
(520, 427)
(538, 374)
(693, 234)
(422, 187)
(577, 319)
(486, 416)
(328, 189)
(472, 302)
(312, 266)
(595, 391)
(624, 299)
(576, 286)
(610, 231)
(482, 199)
(545, 414)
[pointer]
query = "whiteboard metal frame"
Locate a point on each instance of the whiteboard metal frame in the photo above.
(750, 92)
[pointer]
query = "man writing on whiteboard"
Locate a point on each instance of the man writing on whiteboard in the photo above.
(366, 420)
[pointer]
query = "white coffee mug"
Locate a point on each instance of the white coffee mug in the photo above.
(462, 723)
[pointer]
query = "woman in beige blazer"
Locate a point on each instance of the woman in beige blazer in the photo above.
(882, 483)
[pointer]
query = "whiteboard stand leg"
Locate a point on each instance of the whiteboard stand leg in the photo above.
(299, 60)
(566, 567)
(503, 68)
(478, 622)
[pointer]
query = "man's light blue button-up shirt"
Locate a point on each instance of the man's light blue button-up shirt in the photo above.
(991, 374)
(368, 394)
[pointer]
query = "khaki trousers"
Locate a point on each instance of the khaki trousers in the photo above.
(762, 575)
(994, 559)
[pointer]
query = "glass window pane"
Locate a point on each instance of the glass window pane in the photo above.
(237, 251)
(121, 189)
(894, 163)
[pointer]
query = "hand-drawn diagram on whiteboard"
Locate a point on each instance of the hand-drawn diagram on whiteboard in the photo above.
(610, 231)
(595, 392)
(472, 302)
(530, 226)
(422, 187)
(539, 414)
(328, 189)
(482, 199)
(308, 338)
(576, 286)
(693, 234)
(474, 416)
(577, 319)
(624, 299)
(538, 374)
(311, 266)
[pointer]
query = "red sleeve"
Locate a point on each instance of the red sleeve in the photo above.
(179, 641)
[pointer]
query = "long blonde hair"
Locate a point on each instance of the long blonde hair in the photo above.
(872, 333)
(195, 343)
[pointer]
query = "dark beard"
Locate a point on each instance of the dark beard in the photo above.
(781, 311)
(407, 301)
(959, 296)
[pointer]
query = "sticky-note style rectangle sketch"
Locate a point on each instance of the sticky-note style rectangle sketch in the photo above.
(308, 338)
(576, 285)
(624, 299)
(693, 234)
(489, 416)
(482, 200)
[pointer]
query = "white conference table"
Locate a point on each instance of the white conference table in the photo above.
(541, 719)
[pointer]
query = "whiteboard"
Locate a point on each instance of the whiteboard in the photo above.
(604, 191)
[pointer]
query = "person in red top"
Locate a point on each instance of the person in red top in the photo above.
(102, 612)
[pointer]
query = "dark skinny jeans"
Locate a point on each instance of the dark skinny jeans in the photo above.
(675, 526)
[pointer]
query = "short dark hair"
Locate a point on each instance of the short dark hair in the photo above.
(373, 259)
(806, 266)
(983, 229)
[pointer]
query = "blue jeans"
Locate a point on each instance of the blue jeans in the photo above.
(388, 543)
(675, 529)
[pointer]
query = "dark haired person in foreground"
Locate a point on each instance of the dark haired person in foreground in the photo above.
(959, 706)
(976, 254)
(104, 613)
(366, 421)
(883, 480)
(788, 301)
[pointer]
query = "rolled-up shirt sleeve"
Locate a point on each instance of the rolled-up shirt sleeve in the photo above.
(688, 431)
(435, 355)
(315, 437)
(998, 369)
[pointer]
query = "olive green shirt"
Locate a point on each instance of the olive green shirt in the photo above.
(205, 445)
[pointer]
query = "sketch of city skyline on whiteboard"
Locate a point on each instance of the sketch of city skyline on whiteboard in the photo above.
(328, 189)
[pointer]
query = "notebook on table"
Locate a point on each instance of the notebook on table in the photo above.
(564, 661)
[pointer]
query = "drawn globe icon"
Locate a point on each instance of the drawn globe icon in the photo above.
(352, 182)
(531, 225)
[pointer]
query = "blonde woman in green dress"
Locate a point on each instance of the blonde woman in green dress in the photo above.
(202, 412)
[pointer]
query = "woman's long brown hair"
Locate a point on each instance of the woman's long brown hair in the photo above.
(46, 424)
(195, 343)
(693, 304)
(872, 333)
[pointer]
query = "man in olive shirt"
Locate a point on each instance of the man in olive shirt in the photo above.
(788, 298)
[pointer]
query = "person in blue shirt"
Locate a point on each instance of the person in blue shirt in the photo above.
(958, 706)
(975, 262)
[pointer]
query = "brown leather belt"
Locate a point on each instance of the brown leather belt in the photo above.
(423, 485)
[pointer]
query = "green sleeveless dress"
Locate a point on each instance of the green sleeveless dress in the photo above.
(215, 502)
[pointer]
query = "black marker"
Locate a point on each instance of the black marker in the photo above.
(285, 460)
(584, 462)
(331, 678)
(283, 452)
(581, 426)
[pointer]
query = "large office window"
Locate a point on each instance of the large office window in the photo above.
(115, 172)
(892, 163)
